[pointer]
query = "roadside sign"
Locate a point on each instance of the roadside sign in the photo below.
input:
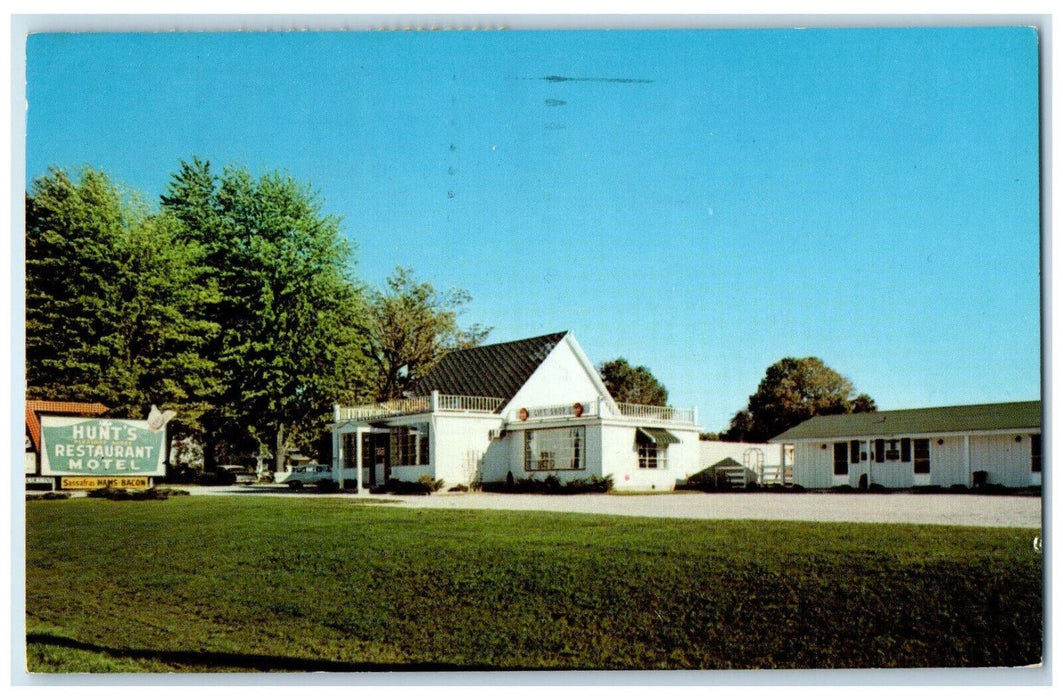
(92, 447)
(100, 482)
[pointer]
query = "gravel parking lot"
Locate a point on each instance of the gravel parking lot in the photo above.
(940, 509)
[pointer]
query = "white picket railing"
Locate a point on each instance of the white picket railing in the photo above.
(419, 404)
(669, 414)
(471, 404)
(395, 407)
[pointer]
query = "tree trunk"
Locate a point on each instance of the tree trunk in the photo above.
(280, 453)
(210, 459)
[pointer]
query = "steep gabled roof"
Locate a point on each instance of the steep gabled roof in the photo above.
(1020, 415)
(498, 370)
(58, 408)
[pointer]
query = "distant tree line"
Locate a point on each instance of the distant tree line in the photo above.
(233, 301)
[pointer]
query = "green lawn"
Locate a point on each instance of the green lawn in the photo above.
(296, 584)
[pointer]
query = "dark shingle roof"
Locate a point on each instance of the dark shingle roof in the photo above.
(498, 370)
(947, 419)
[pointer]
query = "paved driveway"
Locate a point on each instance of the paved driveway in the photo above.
(952, 509)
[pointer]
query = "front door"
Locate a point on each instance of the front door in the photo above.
(375, 448)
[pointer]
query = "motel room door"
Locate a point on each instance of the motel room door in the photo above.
(860, 458)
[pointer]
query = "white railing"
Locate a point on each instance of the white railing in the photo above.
(668, 414)
(395, 407)
(471, 404)
(419, 404)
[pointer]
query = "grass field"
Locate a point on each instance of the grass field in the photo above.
(299, 584)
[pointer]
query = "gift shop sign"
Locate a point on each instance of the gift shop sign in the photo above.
(95, 447)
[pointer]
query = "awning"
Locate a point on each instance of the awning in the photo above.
(655, 436)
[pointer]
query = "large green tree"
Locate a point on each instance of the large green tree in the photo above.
(629, 384)
(792, 391)
(409, 327)
(289, 306)
(113, 313)
(74, 226)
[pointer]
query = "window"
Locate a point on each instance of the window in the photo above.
(906, 449)
(653, 457)
(841, 459)
(880, 451)
(554, 449)
(409, 446)
(922, 457)
(652, 447)
(350, 447)
(854, 452)
(1035, 453)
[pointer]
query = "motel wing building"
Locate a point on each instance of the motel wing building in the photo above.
(528, 408)
(920, 447)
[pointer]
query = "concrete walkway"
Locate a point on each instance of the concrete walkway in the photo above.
(940, 509)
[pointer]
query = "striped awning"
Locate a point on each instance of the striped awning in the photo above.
(655, 436)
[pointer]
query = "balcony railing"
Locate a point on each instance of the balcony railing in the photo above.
(470, 404)
(670, 414)
(419, 404)
(448, 403)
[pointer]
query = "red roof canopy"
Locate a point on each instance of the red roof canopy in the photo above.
(34, 410)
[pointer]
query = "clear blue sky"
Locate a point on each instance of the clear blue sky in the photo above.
(700, 202)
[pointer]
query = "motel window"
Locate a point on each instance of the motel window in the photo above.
(906, 449)
(651, 444)
(880, 451)
(653, 457)
(854, 452)
(1035, 453)
(922, 457)
(841, 459)
(554, 449)
(409, 446)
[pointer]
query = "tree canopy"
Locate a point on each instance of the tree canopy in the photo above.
(629, 384)
(409, 326)
(114, 312)
(288, 305)
(792, 391)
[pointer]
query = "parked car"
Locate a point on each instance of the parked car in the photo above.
(302, 475)
(241, 474)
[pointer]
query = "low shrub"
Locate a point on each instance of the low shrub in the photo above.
(422, 487)
(551, 485)
(152, 494)
(47, 496)
(460, 488)
(430, 483)
(111, 494)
